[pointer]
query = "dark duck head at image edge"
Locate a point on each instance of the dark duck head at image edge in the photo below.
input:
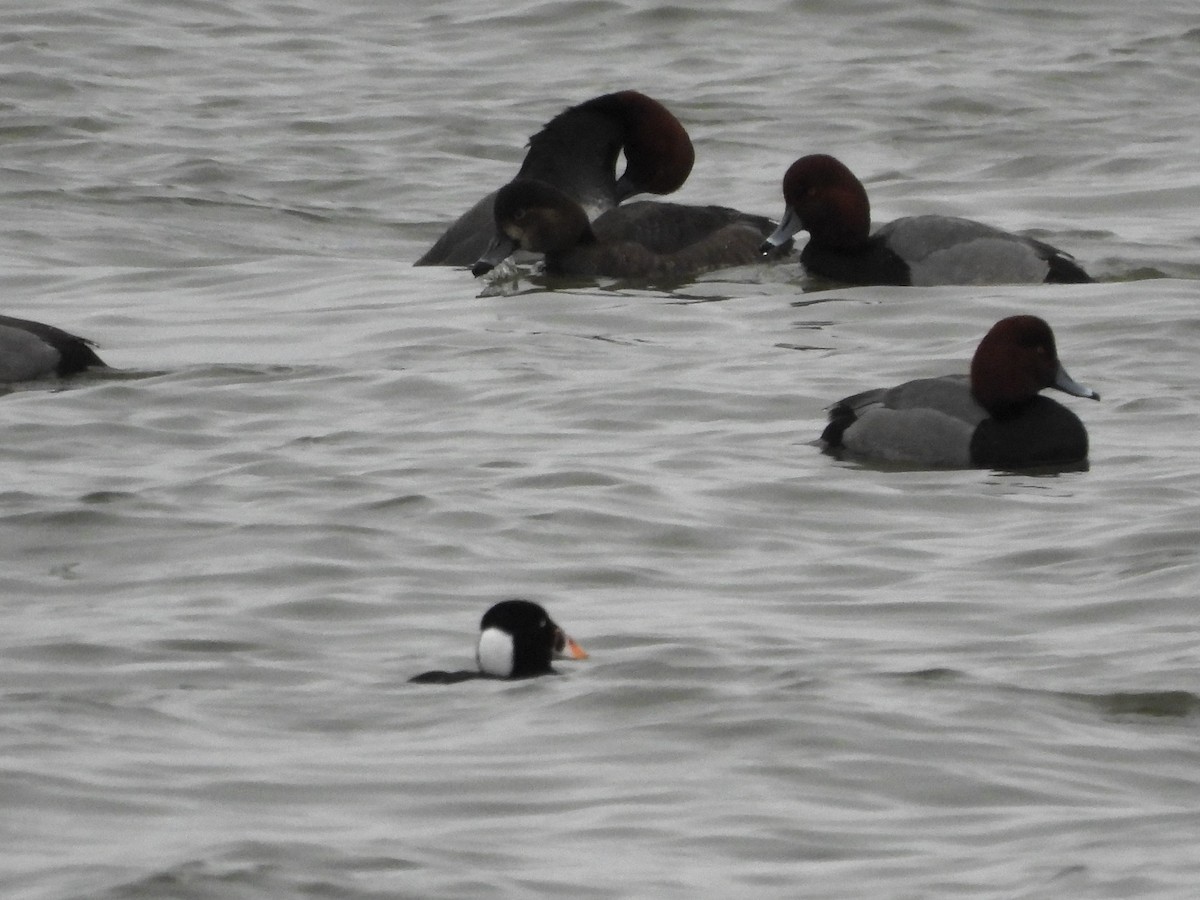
(577, 153)
(993, 418)
(517, 639)
(31, 350)
(638, 240)
(824, 198)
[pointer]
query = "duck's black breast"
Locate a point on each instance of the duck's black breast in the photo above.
(1044, 433)
(873, 263)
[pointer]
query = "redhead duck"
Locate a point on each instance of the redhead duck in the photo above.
(31, 350)
(577, 152)
(825, 199)
(517, 639)
(993, 419)
(643, 240)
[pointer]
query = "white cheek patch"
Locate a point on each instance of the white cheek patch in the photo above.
(495, 653)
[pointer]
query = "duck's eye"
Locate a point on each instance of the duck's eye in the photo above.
(520, 214)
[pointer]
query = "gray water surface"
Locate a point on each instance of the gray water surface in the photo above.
(315, 466)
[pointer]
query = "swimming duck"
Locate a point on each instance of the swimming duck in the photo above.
(31, 350)
(641, 240)
(995, 418)
(577, 152)
(824, 198)
(517, 639)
